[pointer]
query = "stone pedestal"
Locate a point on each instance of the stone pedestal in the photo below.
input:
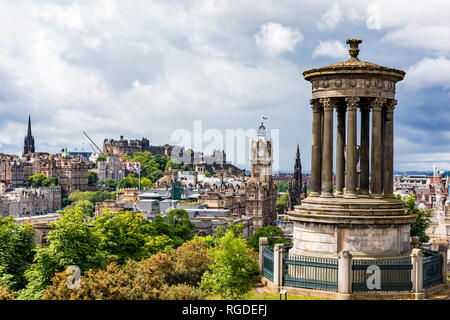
(363, 227)
(443, 249)
(417, 274)
(278, 253)
(344, 275)
(263, 243)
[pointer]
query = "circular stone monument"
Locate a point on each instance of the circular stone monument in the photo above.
(361, 214)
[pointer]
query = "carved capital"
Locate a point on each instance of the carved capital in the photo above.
(327, 103)
(315, 105)
(377, 104)
(352, 103)
(390, 106)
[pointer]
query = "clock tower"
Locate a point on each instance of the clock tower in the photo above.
(260, 191)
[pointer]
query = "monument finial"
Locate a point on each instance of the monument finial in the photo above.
(354, 51)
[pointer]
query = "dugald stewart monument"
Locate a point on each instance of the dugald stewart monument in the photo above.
(353, 240)
(362, 215)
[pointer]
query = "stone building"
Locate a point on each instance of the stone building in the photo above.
(128, 147)
(27, 202)
(228, 200)
(111, 168)
(12, 170)
(41, 226)
(72, 173)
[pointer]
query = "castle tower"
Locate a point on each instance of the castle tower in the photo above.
(28, 144)
(362, 215)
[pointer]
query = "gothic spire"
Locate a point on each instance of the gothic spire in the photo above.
(298, 162)
(28, 145)
(29, 125)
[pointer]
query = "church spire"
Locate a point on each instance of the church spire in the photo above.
(29, 125)
(28, 144)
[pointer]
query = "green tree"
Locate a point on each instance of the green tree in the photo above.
(282, 186)
(16, 252)
(87, 206)
(144, 280)
(146, 183)
(126, 235)
(282, 204)
(207, 173)
(235, 228)
(39, 180)
(160, 243)
(191, 261)
(86, 200)
(176, 225)
(234, 271)
(129, 181)
(423, 217)
(109, 184)
(92, 178)
(170, 164)
(73, 241)
(186, 167)
(272, 233)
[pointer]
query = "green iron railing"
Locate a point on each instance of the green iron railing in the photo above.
(268, 263)
(432, 268)
(395, 275)
(310, 272)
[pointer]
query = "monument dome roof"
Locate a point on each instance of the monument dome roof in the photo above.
(354, 65)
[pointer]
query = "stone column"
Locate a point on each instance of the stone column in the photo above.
(340, 143)
(350, 181)
(364, 152)
(417, 273)
(327, 152)
(388, 162)
(443, 247)
(344, 275)
(376, 169)
(263, 243)
(316, 149)
(278, 253)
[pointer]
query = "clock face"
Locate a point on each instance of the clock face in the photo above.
(260, 152)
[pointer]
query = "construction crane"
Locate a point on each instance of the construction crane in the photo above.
(92, 142)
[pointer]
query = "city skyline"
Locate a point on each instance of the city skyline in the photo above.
(147, 69)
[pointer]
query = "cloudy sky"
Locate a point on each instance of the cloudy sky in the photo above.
(150, 67)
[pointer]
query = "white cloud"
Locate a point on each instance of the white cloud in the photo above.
(435, 37)
(373, 17)
(333, 49)
(144, 68)
(429, 72)
(330, 18)
(274, 39)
